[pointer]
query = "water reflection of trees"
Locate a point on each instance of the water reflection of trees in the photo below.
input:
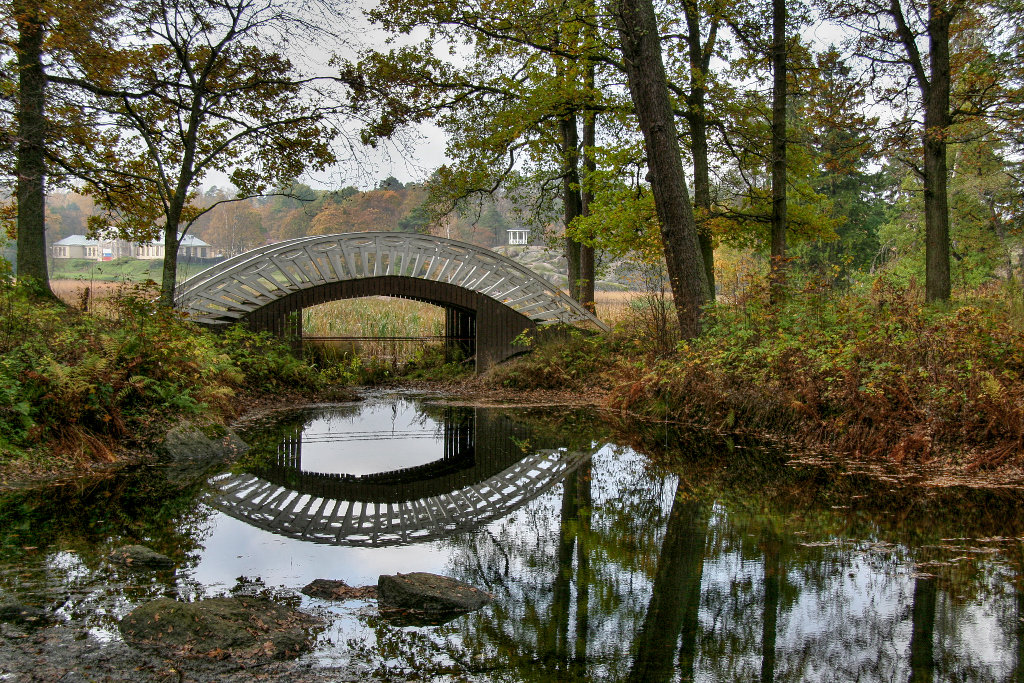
(55, 540)
(737, 567)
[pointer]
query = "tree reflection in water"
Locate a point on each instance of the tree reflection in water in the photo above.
(743, 570)
(707, 562)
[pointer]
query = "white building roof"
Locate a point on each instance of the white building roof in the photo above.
(186, 241)
(83, 241)
(192, 241)
(77, 241)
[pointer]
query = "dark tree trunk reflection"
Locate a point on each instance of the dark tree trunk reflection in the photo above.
(585, 501)
(675, 597)
(771, 546)
(922, 662)
(567, 652)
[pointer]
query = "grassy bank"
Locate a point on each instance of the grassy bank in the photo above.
(874, 374)
(76, 386)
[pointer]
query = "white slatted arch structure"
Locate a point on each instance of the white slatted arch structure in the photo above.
(238, 286)
(334, 521)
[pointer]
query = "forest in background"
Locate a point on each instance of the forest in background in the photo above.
(235, 227)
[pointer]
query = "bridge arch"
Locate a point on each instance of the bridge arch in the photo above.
(487, 296)
(484, 476)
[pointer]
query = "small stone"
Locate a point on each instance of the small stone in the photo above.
(16, 613)
(141, 557)
(331, 589)
(428, 594)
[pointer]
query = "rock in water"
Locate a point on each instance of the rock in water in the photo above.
(247, 629)
(141, 557)
(16, 613)
(428, 594)
(330, 589)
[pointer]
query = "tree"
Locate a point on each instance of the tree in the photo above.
(511, 111)
(42, 36)
(235, 227)
(830, 113)
(31, 151)
(641, 51)
(208, 90)
(892, 35)
(779, 173)
(703, 22)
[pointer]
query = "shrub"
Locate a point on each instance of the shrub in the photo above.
(560, 358)
(876, 373)
(267, 363)
(77, 382)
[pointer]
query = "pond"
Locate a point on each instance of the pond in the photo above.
(611, 555)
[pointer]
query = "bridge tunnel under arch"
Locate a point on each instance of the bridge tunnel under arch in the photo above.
(490, 326)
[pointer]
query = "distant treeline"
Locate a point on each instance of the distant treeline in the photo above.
(299, 210)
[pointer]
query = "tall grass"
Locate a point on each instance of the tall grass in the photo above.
(376, 316)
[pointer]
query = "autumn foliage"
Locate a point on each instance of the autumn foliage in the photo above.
(877, 376)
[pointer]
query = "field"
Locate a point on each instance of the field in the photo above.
(118, 270)
(367, 317)
(614, 307)
(94, 296)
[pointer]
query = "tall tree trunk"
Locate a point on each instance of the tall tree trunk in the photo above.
(922, 659)
(171, 242)
(934, 86)
(779, 217)
(645, 70)
(587, 199)
(571, 200)
(696, 117)
(936, 127)
(31, 160)
(675, 596)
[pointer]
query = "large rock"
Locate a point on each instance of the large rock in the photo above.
(247, 629)
(428, 594)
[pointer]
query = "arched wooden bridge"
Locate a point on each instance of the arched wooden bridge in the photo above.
(484, 475)
(489, 298)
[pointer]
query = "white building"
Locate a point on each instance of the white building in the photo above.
(518, 237)
(190, 247)
(80, 246)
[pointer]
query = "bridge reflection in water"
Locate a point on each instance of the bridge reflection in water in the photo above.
(491, 465)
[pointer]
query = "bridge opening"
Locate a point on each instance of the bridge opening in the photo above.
(390, 329)
(379, 442)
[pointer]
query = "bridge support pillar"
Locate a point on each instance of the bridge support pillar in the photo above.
(460, 333)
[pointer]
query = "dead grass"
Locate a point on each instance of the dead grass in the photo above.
(97, 296)
(614, 307)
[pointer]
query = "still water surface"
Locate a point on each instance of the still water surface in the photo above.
(683, 559)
